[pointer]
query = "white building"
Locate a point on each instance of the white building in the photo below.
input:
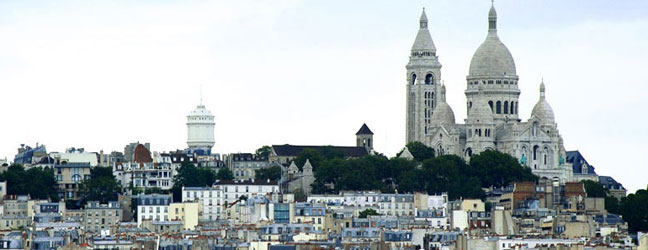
(154, 207)
(211, 200)
(233, 190)
(200, 130)
(156, 174)
(492, 100)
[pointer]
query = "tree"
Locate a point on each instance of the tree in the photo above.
(420, 151)
(102, 186)
(225, 174)
(191, 176)
(300, 196)
(499, 169)
(595, 189)
(367, 212)
(271, 173)
(634, 209)
(39, 183)
(264, 152)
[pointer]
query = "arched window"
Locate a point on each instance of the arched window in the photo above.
(498, 107)
(535, 128)
(429, 79)
(413, 79)
(469, 152)
(535, 152)
(512, 109)
(490, 103)
(506, 108)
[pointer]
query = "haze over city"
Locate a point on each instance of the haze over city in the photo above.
(101, 75)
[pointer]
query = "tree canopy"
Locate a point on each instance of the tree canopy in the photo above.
(225, 174)
(191, 176)
(102, 186)
(39, 183)
(367, 212)
(634, 210)
(272, 173)
(446, 173)
(264, 152)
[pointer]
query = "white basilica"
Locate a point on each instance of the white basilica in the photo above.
(492, 121)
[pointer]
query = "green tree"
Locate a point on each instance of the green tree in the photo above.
(39, 183)
(420, 151)
(102, 186)
(634, 209)
(191, 176)
(367, 212)
(300, 196)
(499, 169)
(272, 173)
(264, 152)
(595, 189)
(225, 174)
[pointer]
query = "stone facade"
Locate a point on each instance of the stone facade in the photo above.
(492, 121)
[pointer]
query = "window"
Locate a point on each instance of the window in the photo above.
(429, 79)
(413, 79)
(490, 103)
(535, 152)
(498, 107)
(512, 109)
(506, 107)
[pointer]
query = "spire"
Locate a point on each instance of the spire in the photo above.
(201, 96)
(492, 19)
(542, 89)
(424, 20)
(423, 44)
(443, 92)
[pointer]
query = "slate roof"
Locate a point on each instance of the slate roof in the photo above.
(364, 130)
(610, 183)
(294, 150)
(577, 160)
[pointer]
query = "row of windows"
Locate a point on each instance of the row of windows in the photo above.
(201, 119)
(507, 82)
(422, 53)
(478, 132)
(429, 79)
(505, 109)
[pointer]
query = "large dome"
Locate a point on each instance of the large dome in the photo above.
(492, 58)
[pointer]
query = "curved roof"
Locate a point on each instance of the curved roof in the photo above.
(480, 112)
(542, 110)
(492, 58)
(443, 114)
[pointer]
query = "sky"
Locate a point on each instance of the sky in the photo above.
(102, 74)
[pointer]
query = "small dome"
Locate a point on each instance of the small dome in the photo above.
(480, 112)
(443, 114)
(542, 110)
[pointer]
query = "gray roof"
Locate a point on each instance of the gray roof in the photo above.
(577, 160)
(423, 41)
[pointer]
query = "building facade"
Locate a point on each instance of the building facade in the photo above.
(492, 100)
(101, 217)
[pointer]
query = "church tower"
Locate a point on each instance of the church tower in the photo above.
(423, 83)
(364, 138)
(492, 79)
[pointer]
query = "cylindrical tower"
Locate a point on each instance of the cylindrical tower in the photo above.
(200, 129)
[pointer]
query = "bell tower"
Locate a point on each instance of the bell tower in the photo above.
(423, 83)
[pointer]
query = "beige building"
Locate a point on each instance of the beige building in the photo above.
(186, 212)
(69, 176)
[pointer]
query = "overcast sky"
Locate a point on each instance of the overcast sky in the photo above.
(101, 74)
